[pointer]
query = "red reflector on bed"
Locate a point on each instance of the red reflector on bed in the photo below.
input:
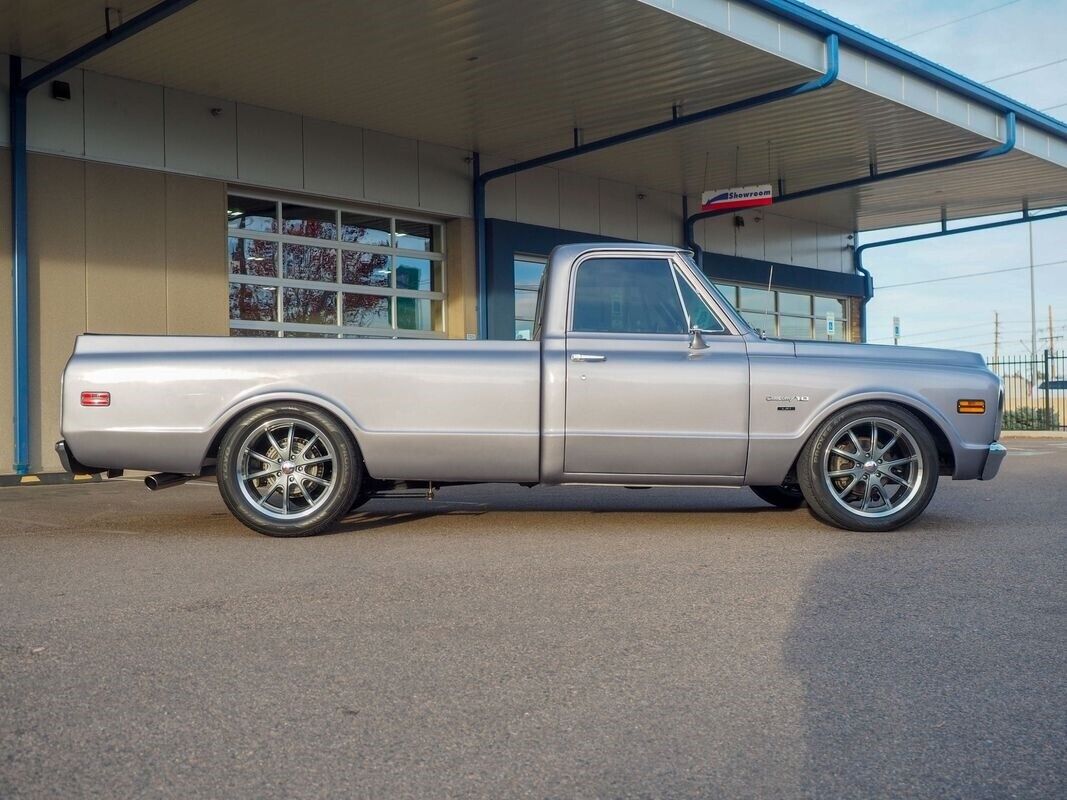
(96, 399)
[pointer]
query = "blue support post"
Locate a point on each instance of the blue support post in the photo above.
(20, 225)
(677, 120)
(19, 90)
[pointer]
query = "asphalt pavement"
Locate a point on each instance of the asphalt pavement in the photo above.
(503, 642)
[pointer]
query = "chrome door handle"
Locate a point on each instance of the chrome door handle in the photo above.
(587, 357)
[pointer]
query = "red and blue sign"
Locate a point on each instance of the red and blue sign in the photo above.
(737, 197)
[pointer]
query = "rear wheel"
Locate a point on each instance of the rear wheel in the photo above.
(788, 495)
(288, 469)
(872, 467)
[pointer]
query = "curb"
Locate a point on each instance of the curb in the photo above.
(48, 479)
(1033, 434)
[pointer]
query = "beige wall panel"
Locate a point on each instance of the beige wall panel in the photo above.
(123, 120)
(579, 202)
(461, 314)
(125, 251)
(659, 217)
(6, 448)
(197, 284)
(57, 291)
(618, 210)
(444, 179)
(499, 193)
(537, 197)
(56, 126)
(391, 169)
(719, 234)
(805, 244)
(333, 159)
(778, 238)
(750, 242)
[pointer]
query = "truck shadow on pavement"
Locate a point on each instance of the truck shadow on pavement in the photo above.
(932, 669)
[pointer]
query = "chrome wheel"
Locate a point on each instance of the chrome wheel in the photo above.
(873, 467)
(286, 468)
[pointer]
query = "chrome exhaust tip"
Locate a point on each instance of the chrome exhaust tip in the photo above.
(165, 480)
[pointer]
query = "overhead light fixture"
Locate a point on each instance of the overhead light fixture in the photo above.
(60, 90)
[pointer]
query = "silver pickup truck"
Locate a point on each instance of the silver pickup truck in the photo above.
(639, 374)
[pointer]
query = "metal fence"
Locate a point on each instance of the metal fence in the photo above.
(1035, 391)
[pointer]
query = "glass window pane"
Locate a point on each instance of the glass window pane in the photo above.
(364, 229)
(316, 223)
(366, 269)
(794, 327)
(699, 313)
(367, 311)
(249, 301)
(415, 314)
(793, 303)
(523, 330)
(729, 292)
(756, 300)
(251, 214)
(528, 273)
(832, 304)
(418, 274)
(257, 332)
(253, 257)
(305, 263)
(418, 236)
(627, 295)
(761, 322)
(525, 304)
(315, 306)
(308, 335)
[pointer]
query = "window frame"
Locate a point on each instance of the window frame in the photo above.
(679, 271)
(279, 327)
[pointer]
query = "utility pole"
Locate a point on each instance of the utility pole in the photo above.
(996, 337)
(1033, 310)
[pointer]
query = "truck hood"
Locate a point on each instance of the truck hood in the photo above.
(883, 352)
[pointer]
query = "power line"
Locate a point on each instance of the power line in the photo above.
(958, 19)
(951, 329)
(967, 275)
(1024, 71)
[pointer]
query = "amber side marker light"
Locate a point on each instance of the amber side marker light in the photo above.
(970, 406)
(96, 399)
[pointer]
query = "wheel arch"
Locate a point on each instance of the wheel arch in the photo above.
(222, 423)
(928, 416)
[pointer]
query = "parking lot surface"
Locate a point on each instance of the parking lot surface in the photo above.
(508, 642)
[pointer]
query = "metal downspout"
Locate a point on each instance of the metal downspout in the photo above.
(18, 92)
(676, 121)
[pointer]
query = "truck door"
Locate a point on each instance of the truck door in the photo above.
(640, 401)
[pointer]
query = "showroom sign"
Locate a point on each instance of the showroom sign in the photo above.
(737, 197)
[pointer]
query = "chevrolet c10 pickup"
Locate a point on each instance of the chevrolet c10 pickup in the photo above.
(639, 373)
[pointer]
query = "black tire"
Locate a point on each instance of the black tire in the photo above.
(316, 493)
(784, 496)
(879, 488)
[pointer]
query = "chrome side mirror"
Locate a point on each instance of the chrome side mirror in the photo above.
(696, 339)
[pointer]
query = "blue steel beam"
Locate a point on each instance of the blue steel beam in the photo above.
(19, 90)
(676, 121)
(874, 177)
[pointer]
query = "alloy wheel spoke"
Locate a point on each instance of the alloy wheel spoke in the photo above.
(274, 443)
(848, 489)
(285, 496)
(842, 473)
(885, 497)
(290, 441)
(262, 474)
(855, 443)
(883, 450)
(307, 446)
(896, 479)
(897, 462)
(260, 457)
(866, 496)
(307, 462)
(315, 479)
(270, 490)
(874, 438)
(853, 457)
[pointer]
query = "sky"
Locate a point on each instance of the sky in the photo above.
(981, 39)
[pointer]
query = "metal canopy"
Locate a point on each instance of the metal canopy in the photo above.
(513, 80)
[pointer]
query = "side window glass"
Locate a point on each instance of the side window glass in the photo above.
(626, 295)
(699, 314)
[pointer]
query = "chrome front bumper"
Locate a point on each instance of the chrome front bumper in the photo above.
(997, 451)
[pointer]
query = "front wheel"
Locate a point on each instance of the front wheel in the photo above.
(288, 469)
(872, 467)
